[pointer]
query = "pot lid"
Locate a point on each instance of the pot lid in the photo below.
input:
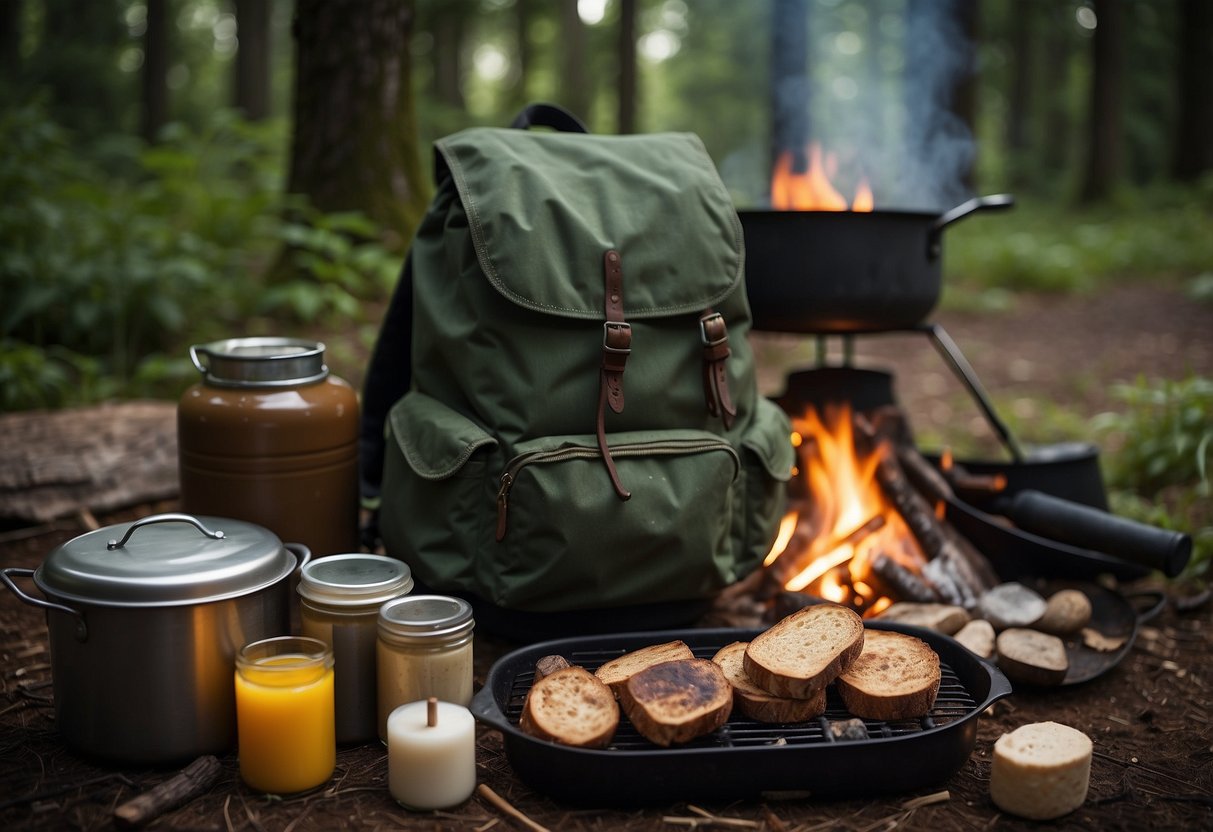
(354, 580)
(165, 560)
(426, 620)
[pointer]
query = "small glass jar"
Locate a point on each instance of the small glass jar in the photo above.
(284, 714)
(339, 602)
(425, 649)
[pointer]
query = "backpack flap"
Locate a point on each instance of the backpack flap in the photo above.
(544, 208)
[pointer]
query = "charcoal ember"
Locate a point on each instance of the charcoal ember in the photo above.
(849, 729)
(1011, 605)
(1067, 611)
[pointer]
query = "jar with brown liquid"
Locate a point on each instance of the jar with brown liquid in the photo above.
(270, 436)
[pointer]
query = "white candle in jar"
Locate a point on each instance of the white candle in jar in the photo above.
(431, 754)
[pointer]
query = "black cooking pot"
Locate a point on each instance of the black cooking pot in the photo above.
(847, 271)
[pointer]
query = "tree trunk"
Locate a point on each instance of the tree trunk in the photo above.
(252, 93)
(627, 66)
(448, 54)
(790, 90)
(354, 146)
(574, 62)
(963, 102)
(10, 37)
(75, 59)
(1019, 100)
(155, 70)
(1194, 131)
(1056, 131)
(523, 12)
(1104, 139)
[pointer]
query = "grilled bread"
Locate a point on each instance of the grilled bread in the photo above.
(616, 672)
(802, 653)
(895, 677)
(571, 706)
(677, 701)
(755, 702)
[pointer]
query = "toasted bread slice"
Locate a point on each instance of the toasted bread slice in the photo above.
(895, 677)
(571, 706)
(616, 672)
(677, 701)
(755, 702)
(804, 652)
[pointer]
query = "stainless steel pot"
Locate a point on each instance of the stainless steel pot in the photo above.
(145, 620)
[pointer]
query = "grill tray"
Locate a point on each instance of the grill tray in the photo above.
(743, 758)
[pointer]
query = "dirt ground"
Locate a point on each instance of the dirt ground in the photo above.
(1149, 717)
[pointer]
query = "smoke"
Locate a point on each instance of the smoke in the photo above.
(937, 146)
(874, 83)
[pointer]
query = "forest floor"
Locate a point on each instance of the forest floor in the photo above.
(1149, 717)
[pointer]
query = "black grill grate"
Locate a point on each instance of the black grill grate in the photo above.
(953, 702)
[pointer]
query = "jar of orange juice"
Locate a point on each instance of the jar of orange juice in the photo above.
(286, 736)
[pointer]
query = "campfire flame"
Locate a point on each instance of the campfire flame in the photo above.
(826, 545)
(812, 189)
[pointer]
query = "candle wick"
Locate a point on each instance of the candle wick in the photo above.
(431, 712)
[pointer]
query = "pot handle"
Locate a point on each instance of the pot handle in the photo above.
(1081, 525)
(303, 555)
(171, 517)
(978, 203)
(7, 575)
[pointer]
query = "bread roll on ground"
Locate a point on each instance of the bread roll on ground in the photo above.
(1041, 771)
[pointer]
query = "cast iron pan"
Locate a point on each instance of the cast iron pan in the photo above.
(743, 758)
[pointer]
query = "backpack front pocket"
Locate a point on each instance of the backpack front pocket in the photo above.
(564, 540)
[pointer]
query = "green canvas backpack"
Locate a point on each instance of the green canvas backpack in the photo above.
(582, 429)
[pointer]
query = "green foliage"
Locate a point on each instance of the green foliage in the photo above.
(1161, 470)
(113, 261)
(1044, 247)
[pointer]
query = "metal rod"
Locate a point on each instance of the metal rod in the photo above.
(964, 371)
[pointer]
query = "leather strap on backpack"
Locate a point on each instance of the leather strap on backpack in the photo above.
(616, 346)
(715, 336)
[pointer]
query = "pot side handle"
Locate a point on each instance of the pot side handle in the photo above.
(303, 556)
(993, 202)
(7, 575)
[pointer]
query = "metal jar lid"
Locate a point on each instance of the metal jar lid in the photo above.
(354, 580)
(165, 560)
(426, 620)
(260, 362)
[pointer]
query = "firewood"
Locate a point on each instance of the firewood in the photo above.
(938, 574)
(901, 582)
(194, 779)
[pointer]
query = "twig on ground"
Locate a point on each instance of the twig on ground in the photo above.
(192, 780)
(501, 803)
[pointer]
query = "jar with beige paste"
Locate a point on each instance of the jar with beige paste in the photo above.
(424, 650)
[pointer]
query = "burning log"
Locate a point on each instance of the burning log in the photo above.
(900, 582)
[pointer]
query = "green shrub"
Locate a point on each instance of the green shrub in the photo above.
(1159, 470)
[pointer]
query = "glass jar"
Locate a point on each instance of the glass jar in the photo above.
(425, 649)
(339, 602)
(270, 436)
(284, 714)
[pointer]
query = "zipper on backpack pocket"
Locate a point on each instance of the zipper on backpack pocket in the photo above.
(657, 447)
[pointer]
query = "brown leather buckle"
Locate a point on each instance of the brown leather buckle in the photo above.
(716, 321)
(624, 333)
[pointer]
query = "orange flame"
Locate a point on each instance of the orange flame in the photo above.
(827, 548)
(812, 189)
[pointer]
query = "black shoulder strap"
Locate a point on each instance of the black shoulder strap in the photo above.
(548, 115)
